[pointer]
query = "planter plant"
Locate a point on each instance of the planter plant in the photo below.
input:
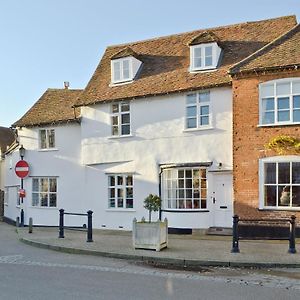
(150, 235)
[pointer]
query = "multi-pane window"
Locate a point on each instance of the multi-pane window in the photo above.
(281, 186)
(121, 70)
(44, 192)
(120, 191)
(203, 56)
(120, 118)
(280, 102)
(197, 110)
(47, 138)
(184, 188)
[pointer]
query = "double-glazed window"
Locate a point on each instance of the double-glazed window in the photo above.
(280, 102)
(184, 188)
(44, 192)
(120, 191)
(197, 110)
(47, 138)
(120, 118)
(121, 70)
(281, 184)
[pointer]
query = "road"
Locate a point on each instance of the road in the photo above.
(31, 273)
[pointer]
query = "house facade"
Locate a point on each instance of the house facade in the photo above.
(156, 117)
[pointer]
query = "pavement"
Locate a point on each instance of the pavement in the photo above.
(186, 251)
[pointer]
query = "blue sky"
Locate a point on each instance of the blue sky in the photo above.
(47, 42)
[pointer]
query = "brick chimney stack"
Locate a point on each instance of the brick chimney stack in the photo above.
(66, 84)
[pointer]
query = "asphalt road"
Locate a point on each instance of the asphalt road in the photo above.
(32, 273)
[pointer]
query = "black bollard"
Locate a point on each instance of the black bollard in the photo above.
(292, 242)
(235, 235)
(90, 227)
(61, 223)
(30, 225)
(22, 218)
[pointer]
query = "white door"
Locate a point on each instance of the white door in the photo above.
(222, 200)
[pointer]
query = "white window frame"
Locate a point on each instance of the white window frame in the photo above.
(203, 47)
(274, 159)
(118, 116)
(198, 105)
(121, 73)
(47, 137)
(171, 198)
(123, 187)
(274, 96)
(39, 192)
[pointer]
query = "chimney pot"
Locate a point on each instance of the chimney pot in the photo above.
(66, 84)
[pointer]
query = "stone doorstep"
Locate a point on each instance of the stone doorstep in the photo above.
(219, 231)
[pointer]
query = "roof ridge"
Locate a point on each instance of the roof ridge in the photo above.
(63, 89)
(195, 30)
(278, 41)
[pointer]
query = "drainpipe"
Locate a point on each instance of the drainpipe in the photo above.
(159, 192)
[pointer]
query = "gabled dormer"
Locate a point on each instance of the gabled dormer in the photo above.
(204, 52)
(124, 66)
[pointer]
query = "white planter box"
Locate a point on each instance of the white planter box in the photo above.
(152, 235)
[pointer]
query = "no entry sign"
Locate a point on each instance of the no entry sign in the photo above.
(22, 168)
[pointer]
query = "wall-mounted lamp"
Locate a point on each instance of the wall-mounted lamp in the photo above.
(22, 151)
(220, 165)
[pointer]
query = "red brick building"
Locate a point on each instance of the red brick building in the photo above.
(266, 104)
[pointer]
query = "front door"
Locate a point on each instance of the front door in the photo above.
(222, 200)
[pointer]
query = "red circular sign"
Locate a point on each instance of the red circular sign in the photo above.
(22, 168)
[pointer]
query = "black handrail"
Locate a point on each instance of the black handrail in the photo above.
(89, 227)
(235, 231)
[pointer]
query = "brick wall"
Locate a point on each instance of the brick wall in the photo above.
(248, 144)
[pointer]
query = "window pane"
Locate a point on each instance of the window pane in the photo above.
(189, 193)
(44, 199)
(53, 187)
(283, 116)
(270, 195)
(270, 173)
(296, 172)
(283, 103)
(204, 121)
(112, 193)
(125, 118)
(189, 204)
(35, 199)
(188, 173)
(296, 87)
(203, 203)
(196, 183)
(191, 111)
(120, 193)
(204, 97)
(197, 62)
(115, 108)
(284, 195)
(120, 202)
(35, 185)
(196, 194)
(115, 130)
(196, 204)
(51, 138)
(43, 185)
(181, 183)
(284, 173)
(191, 123)
(52, 200)
(125, 69)
(208, 61)
(296, 196)
(191, 98)
(125, 129)
(129, 203)
(117, 71)
(268, 118)
(129, 192)
(296, 101)
(180, 173)
(125, 107)
(268, 104)
(111, 180)
(296, 115)
(283, 88)
(267, 90)
(115, 120)
(43, 143)
(197, 52)
(120, 180)
(112, 203)
(208, 51)
(204, 110)
(129, 180)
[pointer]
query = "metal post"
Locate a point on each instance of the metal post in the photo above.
(30, 225)
(61, 223)
(292, 243)
(22, 218)
(235, 235)
(18, 222)
(90, 226)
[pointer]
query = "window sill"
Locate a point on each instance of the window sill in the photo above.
(120, 136)
(198, 129)
(280, 208)
(120, 210)
(117, 83)
(278, 124)
(43, 207)
(203, 70)
(185, 210)
(47, 149)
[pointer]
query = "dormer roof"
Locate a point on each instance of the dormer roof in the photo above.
(125, 53)
(204, 38)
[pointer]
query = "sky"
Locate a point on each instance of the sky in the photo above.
(46, 42)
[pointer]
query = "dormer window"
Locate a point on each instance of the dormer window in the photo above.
(204, 52)
(124, 66)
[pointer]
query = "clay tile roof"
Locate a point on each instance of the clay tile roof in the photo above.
(281, 53)
(203, 38)
(166, 61)
(54, 106)
(7, 137)
(125, 53)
